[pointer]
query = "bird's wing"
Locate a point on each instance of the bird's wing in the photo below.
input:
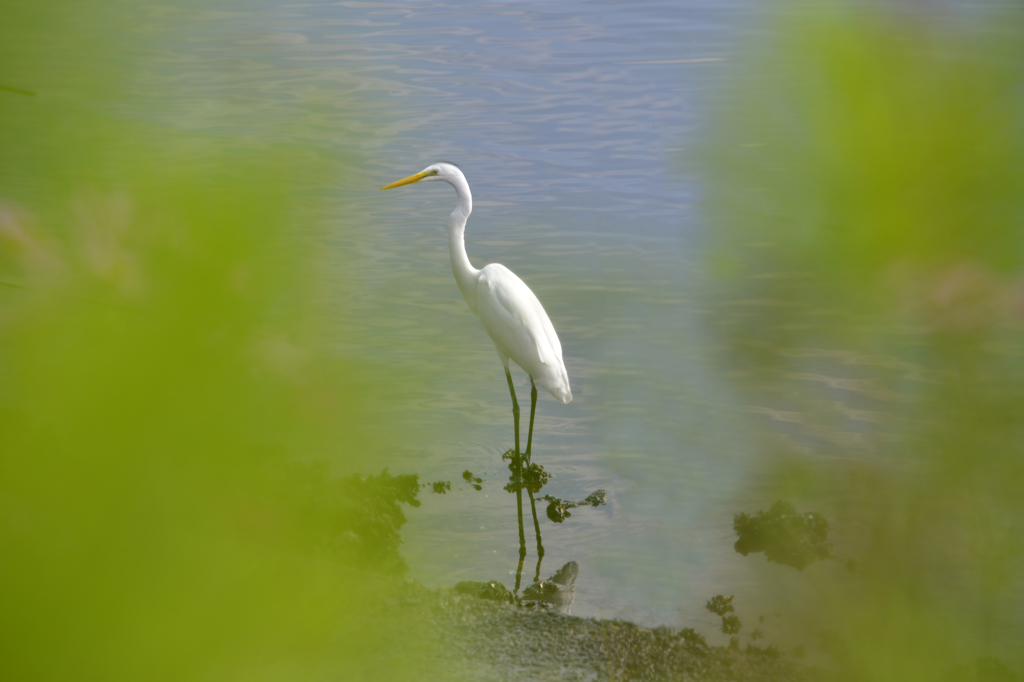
(516, 320)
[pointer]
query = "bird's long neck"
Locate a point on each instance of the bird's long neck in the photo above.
(465, 274)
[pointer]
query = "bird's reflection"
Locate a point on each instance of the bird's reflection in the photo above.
(558, 591)
(532, 478)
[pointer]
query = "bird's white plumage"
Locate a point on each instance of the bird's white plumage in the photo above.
(520, 328)
(511, 314)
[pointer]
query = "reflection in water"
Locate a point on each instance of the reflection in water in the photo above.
(532, 478)
(559, 590)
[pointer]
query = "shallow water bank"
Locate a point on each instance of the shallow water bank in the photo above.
(477, 639)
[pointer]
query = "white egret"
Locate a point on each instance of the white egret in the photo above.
(509, 311)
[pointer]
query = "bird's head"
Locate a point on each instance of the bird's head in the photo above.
(445, 172)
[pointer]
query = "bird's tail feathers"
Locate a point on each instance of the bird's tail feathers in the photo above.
(558, 386)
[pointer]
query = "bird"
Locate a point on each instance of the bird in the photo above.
(510, 312)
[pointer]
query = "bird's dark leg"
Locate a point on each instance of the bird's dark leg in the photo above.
(519, 570)
(533, 411)
(536, 527)
(518, 466)
(515, 407)
(529, 444)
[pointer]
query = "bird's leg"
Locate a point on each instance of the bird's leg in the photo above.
(533, 411)
(536, 527)
(522, 535)
(515, 411)
(518, 466)
(529, 444)
(519, 570)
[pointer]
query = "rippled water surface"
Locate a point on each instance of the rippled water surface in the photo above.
(570, 122)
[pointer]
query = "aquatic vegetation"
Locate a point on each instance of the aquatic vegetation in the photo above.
(474, 481)
(558, 509)
(770, 651)
(692, 637)
(720, 605)
(440, 487)
(491, 590)
(533, 475)
(784, 536)
(731, 624)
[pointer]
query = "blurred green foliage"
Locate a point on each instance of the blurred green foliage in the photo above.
(863, 140)
(163, 394)
(866, 189)
(152, 523)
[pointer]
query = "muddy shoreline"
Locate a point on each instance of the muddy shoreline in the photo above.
(476, 639)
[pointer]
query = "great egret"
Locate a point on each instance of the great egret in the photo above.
(509, 311)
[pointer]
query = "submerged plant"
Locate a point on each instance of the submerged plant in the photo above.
(784, 536)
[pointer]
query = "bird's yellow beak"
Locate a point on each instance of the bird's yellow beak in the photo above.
(415, 177)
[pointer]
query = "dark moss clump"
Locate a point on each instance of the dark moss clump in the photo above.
(731, 625)
(720, 605)
(491, 590)
(558, 509)
(784, 536)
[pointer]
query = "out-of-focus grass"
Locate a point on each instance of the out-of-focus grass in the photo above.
(866, 188)
(159, 399)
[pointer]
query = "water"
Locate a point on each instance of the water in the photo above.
(571, 123)
(574, 123)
